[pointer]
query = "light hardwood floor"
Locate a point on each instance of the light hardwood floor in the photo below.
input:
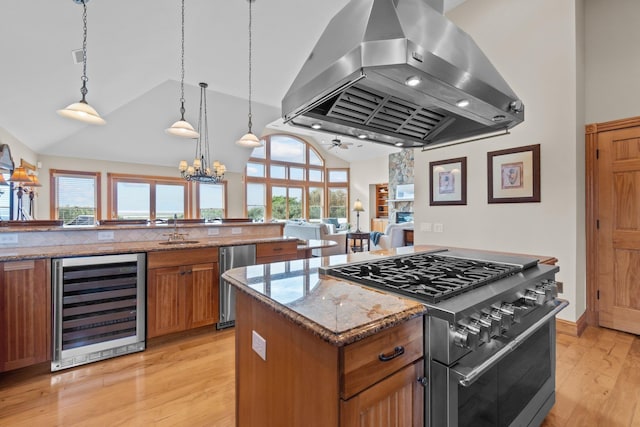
(190, 382)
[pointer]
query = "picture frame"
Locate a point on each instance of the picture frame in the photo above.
(513, 175)
(448, 182)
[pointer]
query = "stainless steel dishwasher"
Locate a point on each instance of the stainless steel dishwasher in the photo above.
(98, 308)
(232, 257)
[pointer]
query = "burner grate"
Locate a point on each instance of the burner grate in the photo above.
(427, 277)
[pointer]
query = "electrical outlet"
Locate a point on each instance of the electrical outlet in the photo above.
(425, 226)
(236, 230)
(106, 235)
(438, 228)
(8, 238)
(259, 345)
(213, 231)
(560, 286)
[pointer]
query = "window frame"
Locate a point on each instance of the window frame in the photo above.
(306, 184)
(114, 178)
(224, 198)
(53, 199)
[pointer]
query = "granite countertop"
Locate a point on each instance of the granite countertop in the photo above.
(106, 248)
(338, 311)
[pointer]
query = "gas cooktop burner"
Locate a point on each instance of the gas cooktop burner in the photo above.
(424, 276)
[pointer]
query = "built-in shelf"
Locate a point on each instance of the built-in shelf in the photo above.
(382, 205)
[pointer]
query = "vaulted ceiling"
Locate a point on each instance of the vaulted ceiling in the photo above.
(134, 72)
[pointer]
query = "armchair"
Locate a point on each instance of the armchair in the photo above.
(393, 236)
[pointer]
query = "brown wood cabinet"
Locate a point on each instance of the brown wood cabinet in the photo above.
(350, 385)
(25, 313)
(276, 251)
(182, 290)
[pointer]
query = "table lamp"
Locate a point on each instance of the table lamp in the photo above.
(357, 208)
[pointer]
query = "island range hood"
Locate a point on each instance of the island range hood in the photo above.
(398, 72)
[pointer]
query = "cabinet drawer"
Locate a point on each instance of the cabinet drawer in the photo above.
(277, 249)
(178, 257)
(362, 363)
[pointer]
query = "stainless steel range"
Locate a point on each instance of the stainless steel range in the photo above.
(489, 332)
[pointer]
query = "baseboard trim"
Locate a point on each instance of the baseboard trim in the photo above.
(570, 328)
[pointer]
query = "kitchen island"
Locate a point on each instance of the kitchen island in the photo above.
(315, 350)
(312, 351)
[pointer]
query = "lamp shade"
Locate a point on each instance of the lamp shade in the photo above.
(183, 129)
(249, 140)
(357, 206)
(20, 175)
(34, 181)
(83, 112)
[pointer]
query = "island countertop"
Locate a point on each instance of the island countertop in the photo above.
(338, 311)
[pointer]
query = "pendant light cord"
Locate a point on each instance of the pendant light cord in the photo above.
(84, 89)
(182, 110)
(250, 64)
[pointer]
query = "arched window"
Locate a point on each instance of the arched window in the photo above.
(286, 179)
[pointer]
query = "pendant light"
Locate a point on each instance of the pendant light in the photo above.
(202, 170)
(81, 110)
(182, 128)
(249, 139)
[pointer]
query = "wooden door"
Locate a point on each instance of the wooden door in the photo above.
(618, 234)
(202, 295)
(25, 314)
(166, 301)
(397, 401)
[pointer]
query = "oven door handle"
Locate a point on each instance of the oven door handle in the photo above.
(467, 379)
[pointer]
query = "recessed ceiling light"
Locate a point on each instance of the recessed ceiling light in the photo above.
(362, 136)
(399, 144)
(463, 103)
(413, 81)
(316, 125)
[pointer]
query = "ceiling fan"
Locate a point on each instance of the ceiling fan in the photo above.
(337, 143)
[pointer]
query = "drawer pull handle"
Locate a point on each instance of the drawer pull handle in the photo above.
(398, 351)
(278, 249)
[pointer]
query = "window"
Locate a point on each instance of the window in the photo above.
(338, 191)
(286, 180)
(256, 202)
(5, 198)
(211, 200)
(75, 197)
(141, 197)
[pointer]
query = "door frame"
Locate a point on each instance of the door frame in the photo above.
(592, 132)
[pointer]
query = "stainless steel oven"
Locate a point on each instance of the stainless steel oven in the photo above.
(511, 382)
(489, 332)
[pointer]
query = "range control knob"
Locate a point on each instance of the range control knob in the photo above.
(551, 287)
(492, 322)
(482, 329)
(465, 338)
(534, 297)
(513, 311)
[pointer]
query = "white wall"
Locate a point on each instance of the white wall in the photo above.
(362, 176)
(612, 61)
(533, 45)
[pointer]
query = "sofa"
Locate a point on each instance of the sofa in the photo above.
(312, 231)
(393, 236)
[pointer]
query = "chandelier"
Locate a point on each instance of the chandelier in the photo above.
(81, 110)
(202, 170)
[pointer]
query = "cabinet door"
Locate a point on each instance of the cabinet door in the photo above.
(397, 401)
(202, 295)
(25, 313)
(276, 252)
(166, 301)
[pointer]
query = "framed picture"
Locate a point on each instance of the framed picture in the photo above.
(514, 175)
(448, 182)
